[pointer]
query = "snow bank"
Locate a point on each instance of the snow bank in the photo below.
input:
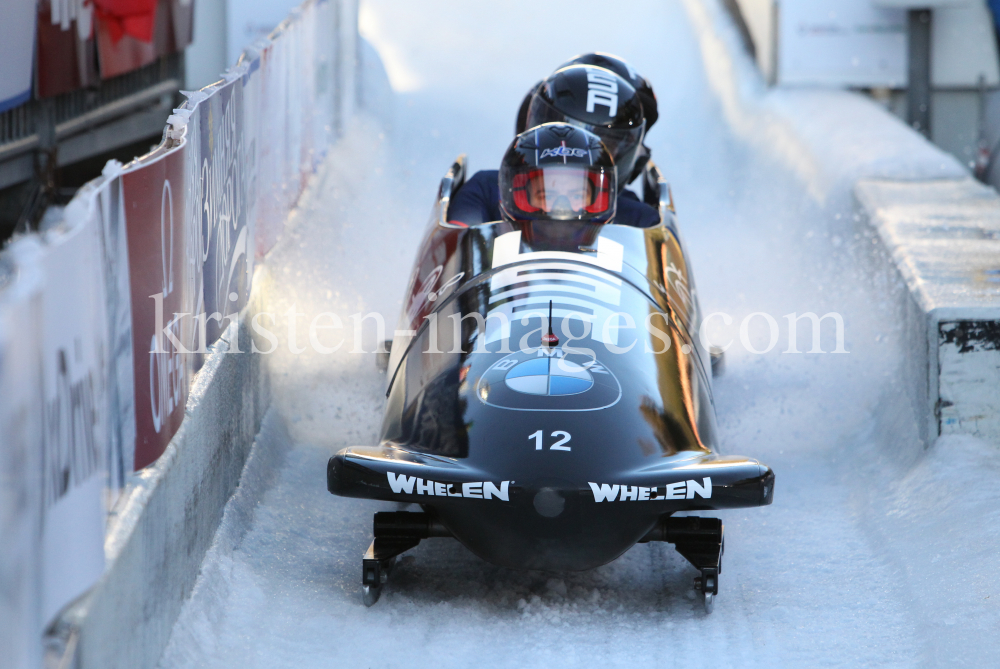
(937, 524)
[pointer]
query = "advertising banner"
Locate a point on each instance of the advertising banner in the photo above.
(348, 47)
(17, 47)
(264, 82)
(326, 79)
(248, 22)
(110, 215)
(250, 82)
(20, 467)
(75, 412)
(162, 271)
(841, 43)
(224, 174)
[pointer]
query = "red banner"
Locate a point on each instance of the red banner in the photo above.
(159, 270)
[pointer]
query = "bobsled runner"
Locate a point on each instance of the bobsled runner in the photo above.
(550, 402)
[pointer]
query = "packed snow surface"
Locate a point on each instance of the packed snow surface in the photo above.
(875, 553)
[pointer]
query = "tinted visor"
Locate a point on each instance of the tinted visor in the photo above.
(561, 193)
(618, 141)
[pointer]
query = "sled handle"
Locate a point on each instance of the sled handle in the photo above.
(453, 179)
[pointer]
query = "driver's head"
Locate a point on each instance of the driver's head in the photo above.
(558, 172)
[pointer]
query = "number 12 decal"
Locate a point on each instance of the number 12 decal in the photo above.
(563, 438)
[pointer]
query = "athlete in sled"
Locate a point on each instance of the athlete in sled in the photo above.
(600, 93)
(550, 403)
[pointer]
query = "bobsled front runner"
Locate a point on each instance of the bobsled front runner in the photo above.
(549, 401)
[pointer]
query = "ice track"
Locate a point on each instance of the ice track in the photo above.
(874, 553)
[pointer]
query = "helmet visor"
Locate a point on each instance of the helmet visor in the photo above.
(560, 193)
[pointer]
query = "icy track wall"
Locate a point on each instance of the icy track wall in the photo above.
(944, 236)
(928, 233)
(118, 451)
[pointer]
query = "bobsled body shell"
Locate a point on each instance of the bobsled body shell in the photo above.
(550, 456)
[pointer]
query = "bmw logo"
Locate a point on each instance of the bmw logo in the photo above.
(549, 376)
(546, 379)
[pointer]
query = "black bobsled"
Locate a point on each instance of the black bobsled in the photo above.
(549, 402)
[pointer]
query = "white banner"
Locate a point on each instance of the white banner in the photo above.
(75, 412)
(100, 202)
(20, 467)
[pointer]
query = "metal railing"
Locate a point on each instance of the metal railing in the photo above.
(44, 126)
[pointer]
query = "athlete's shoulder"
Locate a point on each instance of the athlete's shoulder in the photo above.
(477, 201)
(636, 214)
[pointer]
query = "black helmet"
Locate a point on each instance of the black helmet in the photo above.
(641, 85)
(558, 172)
(597, 100)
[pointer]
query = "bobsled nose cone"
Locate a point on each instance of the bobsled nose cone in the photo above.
(549, 503)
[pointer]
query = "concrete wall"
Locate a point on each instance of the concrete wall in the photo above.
(943, 236)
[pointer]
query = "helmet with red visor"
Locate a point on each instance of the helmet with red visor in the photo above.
(558, 172)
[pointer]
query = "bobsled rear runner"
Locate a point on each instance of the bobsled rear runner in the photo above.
(549, 402)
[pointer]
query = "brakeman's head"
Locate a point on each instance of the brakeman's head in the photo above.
(599, 101)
